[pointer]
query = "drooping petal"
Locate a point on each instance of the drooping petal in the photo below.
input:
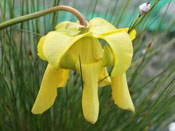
(56, 44)
(39, 48)
(122, 49)
(90, 102)
(89, 51)
(120, 93)
(63, 77)
(99, 25)
(53, 78)
(104, 78)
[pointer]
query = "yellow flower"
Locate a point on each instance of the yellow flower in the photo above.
(70, 43)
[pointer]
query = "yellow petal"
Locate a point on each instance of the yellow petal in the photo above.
(69, 27)
(88, 48)
(132, 34)
(53, 78)
(90, 102)
(122, 49)
(56, 44)
(39, 48)
(104, 78)
(99, 25)
(120, 93)
(63, 77)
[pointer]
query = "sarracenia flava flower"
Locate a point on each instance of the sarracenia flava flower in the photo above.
(72, 42)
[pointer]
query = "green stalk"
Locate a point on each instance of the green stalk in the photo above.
(113, 11)
(93, 12)
(42, 13)
(107, 10)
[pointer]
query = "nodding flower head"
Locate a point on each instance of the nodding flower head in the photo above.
(71, 42)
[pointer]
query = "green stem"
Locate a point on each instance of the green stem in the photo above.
(134, 24)
(42, 13)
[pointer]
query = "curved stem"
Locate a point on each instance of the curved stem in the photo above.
(42, 13)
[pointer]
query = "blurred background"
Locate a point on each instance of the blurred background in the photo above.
(151, 77)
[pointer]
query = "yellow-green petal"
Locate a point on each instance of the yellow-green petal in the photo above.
(90, 102)
(108, 59)
(120, 93)
(63, 77)
(53, 78)
(56, 44)
(39, 48)
(99, 25)
(69, 27)
(88, 48)
(104, 78)
(122, 49)
(132, 34)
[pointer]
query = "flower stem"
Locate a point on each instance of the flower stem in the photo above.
(134, 24)
(42, 13)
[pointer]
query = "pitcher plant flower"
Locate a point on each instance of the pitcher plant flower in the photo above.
(75, 47)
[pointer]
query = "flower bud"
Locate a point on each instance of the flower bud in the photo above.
(144, 8)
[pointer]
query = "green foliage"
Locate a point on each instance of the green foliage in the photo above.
(151, 76)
